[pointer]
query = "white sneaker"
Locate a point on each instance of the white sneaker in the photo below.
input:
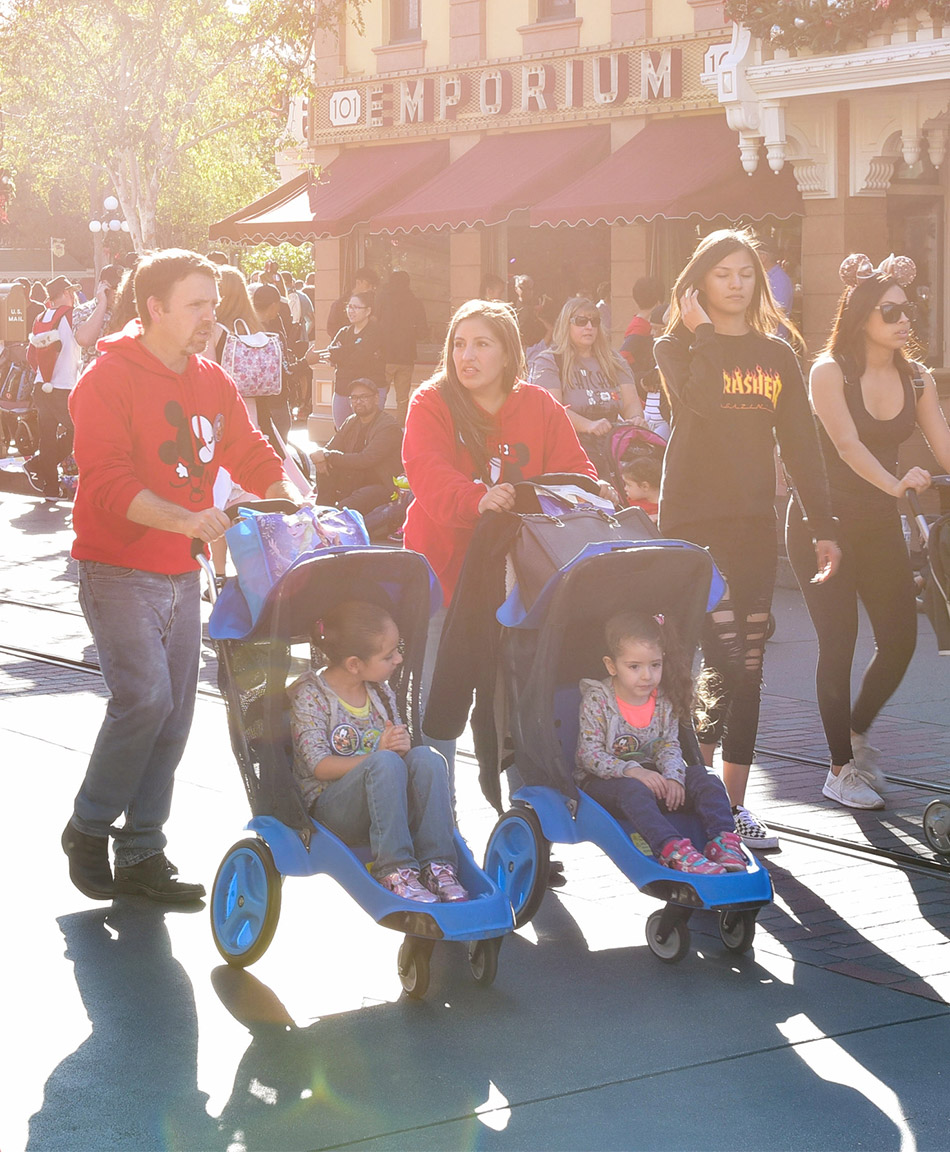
(850, 789)
(867, 762)
(754, 833)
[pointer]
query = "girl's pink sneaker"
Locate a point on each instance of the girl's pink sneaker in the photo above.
(726, 849)
(683, 857)
(442, 881)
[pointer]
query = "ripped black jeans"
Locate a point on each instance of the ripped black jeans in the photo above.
(745, 552)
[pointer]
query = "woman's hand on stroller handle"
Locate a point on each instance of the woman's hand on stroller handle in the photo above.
(914, 480)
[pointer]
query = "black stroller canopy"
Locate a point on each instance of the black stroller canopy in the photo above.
(548, 664)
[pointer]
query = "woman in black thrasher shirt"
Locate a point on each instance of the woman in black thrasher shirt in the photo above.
(733, 386)
(869, 398)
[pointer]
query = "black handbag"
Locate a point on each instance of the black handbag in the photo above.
(545, 543)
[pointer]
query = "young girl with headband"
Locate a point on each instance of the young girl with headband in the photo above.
(869, 398)
(359, 773)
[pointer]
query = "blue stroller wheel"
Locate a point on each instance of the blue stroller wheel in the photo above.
(245, 903)
(737, 928)
(516, 859)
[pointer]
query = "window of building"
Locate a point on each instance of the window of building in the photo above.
(556, 9)
(405, 20)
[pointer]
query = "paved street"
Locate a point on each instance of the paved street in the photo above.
(123, 1030)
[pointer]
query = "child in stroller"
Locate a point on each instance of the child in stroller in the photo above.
(641, 483)
(358, 772)
(628, 752)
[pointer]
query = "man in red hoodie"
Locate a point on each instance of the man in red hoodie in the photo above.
(154, 423)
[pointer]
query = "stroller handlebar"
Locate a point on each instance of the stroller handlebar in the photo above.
(913, 501)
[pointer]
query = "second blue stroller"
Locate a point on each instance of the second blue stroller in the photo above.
(546, 651)
(254, 662)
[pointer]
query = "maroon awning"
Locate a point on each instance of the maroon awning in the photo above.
(673, 168)
(496, 177)
(358, 183)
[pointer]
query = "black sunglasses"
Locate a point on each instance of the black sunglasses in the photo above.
(891, 313)
(583, 321)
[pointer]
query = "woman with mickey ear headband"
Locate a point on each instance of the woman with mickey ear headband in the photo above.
(869, 397)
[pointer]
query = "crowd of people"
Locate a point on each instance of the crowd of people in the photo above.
(681, 421)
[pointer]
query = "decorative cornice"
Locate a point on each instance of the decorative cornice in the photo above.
(853, 71)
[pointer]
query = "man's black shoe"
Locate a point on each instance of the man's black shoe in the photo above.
(88, 863)
(157, 878)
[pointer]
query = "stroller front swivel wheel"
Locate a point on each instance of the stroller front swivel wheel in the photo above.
(737, 929)
(668, 941)
(937, 826)
(413, 965)
(517, 859)
(245, 903)
(483, 959)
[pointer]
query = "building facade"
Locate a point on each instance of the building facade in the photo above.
(586, 142)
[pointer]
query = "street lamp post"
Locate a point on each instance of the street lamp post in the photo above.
(112, 220)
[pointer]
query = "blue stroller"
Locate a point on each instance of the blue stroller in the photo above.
(254, 661)
(546, 651)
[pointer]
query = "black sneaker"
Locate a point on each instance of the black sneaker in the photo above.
(88, 863)
(157, 878)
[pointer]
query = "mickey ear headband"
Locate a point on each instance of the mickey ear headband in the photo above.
(857, 267)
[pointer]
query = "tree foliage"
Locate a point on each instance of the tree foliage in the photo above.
(180, 102)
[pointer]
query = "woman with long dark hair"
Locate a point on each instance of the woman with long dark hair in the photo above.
(733, 385)
(474, 430)
(869, 398)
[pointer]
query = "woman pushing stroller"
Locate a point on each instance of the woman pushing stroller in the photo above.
(869, 397)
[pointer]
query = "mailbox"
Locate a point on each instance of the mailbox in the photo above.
(13, 314)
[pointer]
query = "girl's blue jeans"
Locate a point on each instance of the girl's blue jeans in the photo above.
(399, 804)
(632, 801)
(147, 629)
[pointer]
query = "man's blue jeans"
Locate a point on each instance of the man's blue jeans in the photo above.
(399, 805)
(147, 629)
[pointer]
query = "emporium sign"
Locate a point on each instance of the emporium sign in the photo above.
(555, 89)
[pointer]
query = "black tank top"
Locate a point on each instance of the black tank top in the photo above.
(853, 497)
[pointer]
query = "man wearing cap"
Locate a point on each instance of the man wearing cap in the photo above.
(56, 354)
(358, 465)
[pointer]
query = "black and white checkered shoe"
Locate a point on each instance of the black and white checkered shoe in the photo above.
(754, 833)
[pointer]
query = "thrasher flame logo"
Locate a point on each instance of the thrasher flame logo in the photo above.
(753, 389)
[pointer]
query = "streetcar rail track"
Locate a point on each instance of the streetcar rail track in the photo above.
(891, 777)
(887, 857)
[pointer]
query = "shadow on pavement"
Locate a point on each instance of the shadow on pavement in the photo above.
(569, 1049)
(133, 1082)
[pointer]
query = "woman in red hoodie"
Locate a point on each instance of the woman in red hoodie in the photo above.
(473, 431)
